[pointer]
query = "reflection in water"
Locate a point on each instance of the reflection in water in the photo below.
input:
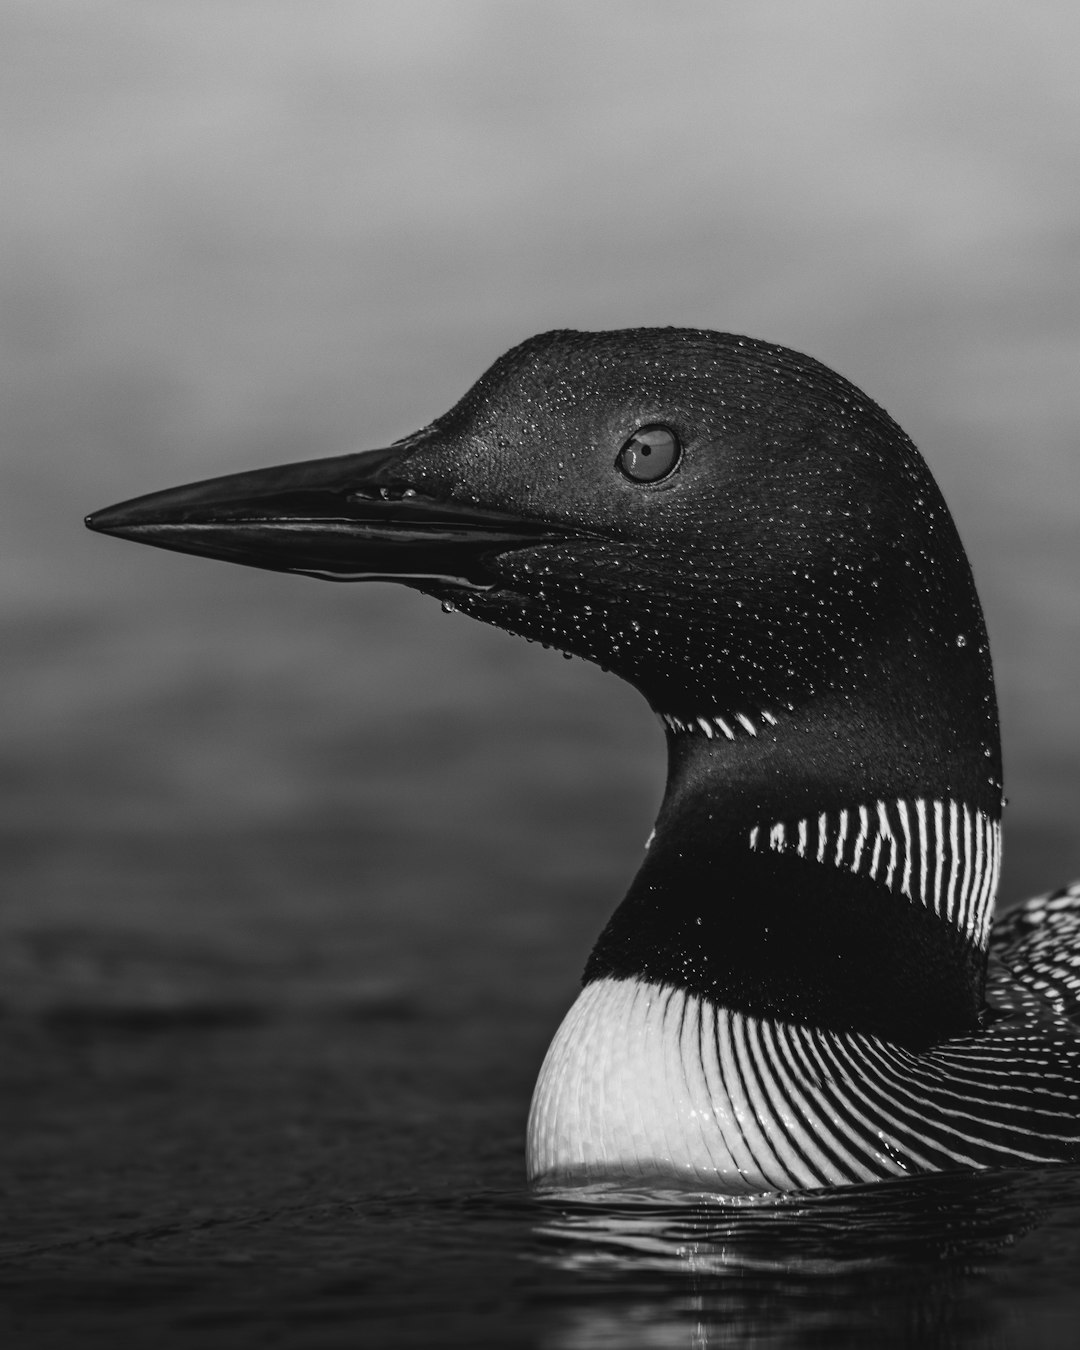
(903, 1262)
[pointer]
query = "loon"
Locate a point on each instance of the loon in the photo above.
(803, 987)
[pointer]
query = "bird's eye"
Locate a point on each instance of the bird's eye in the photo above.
(650, 454)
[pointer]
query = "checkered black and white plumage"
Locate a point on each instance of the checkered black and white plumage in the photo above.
(679, 1088)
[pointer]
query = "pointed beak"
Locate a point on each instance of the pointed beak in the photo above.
(350, 518)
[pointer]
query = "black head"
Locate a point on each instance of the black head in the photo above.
(726, 524)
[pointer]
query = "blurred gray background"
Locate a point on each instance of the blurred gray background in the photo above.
(263, 230)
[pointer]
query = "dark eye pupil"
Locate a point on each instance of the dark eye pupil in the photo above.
(650, 454)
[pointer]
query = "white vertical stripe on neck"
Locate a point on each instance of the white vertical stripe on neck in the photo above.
(951, 848)
(924, 852)
(905, 826)
(954, 855)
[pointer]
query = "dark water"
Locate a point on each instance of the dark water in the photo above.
(348, 1171)
(278, 972)
(298, 880)
(349, 1174)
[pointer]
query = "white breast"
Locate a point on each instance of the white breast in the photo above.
(644, 1082)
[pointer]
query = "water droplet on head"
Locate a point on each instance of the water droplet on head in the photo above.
(961, 639)
(448, 607)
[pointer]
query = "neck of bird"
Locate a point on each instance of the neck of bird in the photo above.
(833, 864)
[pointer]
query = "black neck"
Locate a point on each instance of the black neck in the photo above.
(774, 935)
(779, 934)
